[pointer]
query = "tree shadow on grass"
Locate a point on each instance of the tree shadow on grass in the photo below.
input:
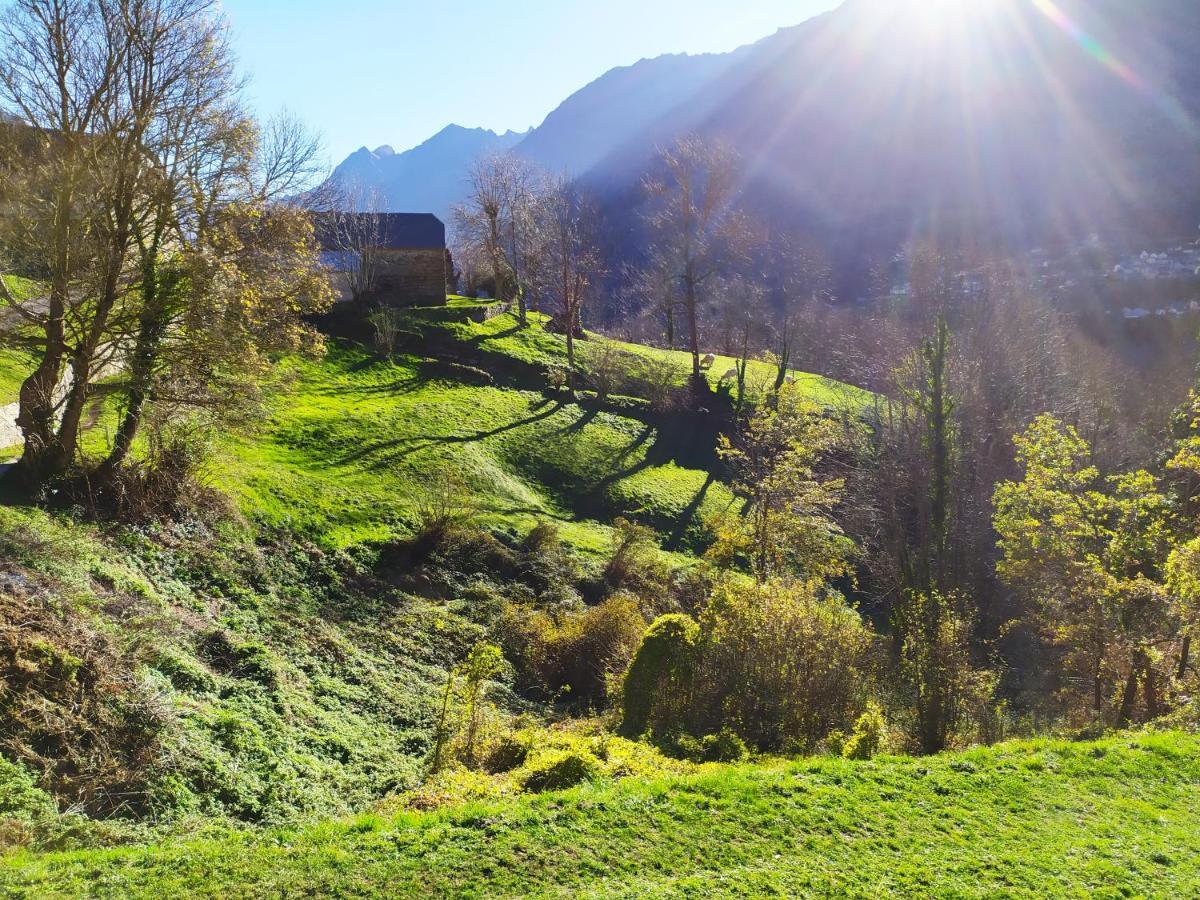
(397, 388)
(388, 451)
(688, 516)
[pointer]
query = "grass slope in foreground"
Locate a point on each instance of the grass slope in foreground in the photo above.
(1033, 819)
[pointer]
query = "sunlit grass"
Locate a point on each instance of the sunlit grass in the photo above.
(1032, 819)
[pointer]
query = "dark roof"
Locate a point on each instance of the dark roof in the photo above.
(391, 231)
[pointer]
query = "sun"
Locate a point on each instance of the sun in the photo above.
(935, 17)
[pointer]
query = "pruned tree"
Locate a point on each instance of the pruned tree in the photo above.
(697, 231)
(498, 220)
(355, 228)
(568, 265)
(744, 326)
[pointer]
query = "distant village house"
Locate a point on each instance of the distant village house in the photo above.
(394, 259)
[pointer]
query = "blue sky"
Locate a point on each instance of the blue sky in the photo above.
(377, 72)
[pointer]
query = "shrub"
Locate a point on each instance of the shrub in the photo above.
(443, 505)
(509, 752)
(782, 663)
(548, 565)
(724, 746)
(184, 673)
(165, 483)
(657, 681)
(868, 735)
(385, 325)
(561, 772)
(579, 652)
(636, 564)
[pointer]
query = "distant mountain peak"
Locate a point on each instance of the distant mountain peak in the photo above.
(430, 177)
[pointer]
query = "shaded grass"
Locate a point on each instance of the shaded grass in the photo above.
(15, 365)
(1034, 819)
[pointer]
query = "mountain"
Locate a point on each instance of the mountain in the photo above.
(428, 178)
(993, 121)
(1003, 121)
(1000, 122)
(627, 105)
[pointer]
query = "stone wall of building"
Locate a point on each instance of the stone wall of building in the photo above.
(413, 277)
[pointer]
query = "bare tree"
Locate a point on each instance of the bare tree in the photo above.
(744, 325)
(498, 221)
(568, 263)
(698, 233)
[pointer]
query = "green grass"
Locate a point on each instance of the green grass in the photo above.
(537, 347)
(349, 451)
(15, 365)
(1039, 819)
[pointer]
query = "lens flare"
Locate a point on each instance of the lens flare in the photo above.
(1087, 42)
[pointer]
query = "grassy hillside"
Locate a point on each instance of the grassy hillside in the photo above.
(349, 451)
(281, 664)
(1040, 819)
(541, 348)
(347, 455)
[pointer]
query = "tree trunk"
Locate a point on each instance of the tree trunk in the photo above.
(151, 328)
(1129, 694)
(693, 330)
(36, 409)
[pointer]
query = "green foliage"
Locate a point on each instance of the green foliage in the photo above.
(724, 746)
(787, 526)
(868, 735)
(1091, 554)
(778, 664)
(661, 669)
(934, 633)
(783, 663)
(564, 771)
(576, 654)
(20, 797)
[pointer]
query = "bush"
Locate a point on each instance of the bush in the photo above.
(579, 652)
(508, 753)
(561, 772)
(166, 483)
(548, 565)
(385, 325)
(656, 684)
(783, 663)
(636, 564)
(868, 735)
(724, 746)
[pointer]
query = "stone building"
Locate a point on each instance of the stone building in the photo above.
(397, 259)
